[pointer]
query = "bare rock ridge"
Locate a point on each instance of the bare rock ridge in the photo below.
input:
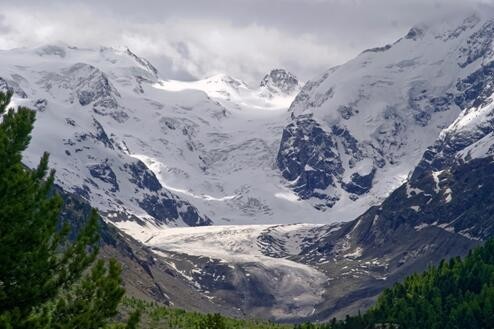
(280, 81)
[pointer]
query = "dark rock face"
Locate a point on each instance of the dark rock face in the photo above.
(457, 199)
(280, 81)
(310, 159)
(415, 33)
(475, 89)
(307, 157)
(360, 184)
(475, 92)
(190, 216)
(349, 144)
(82, 192)
(161, 205)
(40, 104)
(378, 49)
(101, 135)
(142, 176)
(166, 209)
(104, 173)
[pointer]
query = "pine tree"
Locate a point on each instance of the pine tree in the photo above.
(44, 277)
(213, 321)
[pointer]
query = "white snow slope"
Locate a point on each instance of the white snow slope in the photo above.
(297, 287)
(384, 108)
(211, 142)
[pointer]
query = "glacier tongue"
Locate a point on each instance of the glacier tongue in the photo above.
(294, 287)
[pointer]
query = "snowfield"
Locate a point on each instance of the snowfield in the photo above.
(210, 144)
(213, 145)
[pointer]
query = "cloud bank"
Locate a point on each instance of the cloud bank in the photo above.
(244, 38)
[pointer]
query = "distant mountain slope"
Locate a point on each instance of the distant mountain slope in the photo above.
(429, 218)
(81, 98)
(359, 129)
(156, 151)
(443, 209)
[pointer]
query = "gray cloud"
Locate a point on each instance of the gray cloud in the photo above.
(244, 38)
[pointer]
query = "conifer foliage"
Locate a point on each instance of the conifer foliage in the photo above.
(46, 281)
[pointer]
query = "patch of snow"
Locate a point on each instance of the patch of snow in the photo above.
(482, 148)
(435, 176)
(421, 226)
(355, 254)
(449, 195)
(289, 196)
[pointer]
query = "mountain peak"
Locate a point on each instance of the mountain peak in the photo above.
(225, 80)
(280, 81)
(143, 62)
(52, 50)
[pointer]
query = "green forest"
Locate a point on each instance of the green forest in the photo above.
(50, 281)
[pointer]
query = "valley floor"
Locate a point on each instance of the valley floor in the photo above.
(257, 255)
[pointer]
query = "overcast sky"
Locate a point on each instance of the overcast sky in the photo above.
(243, 38)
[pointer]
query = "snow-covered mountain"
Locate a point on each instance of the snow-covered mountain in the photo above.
(398, 141)
(86, 104)
(143, 148)
(359, 129)
(228, 153)
(314, 272)
(417, 134)
(443, 209)
(280, 82)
